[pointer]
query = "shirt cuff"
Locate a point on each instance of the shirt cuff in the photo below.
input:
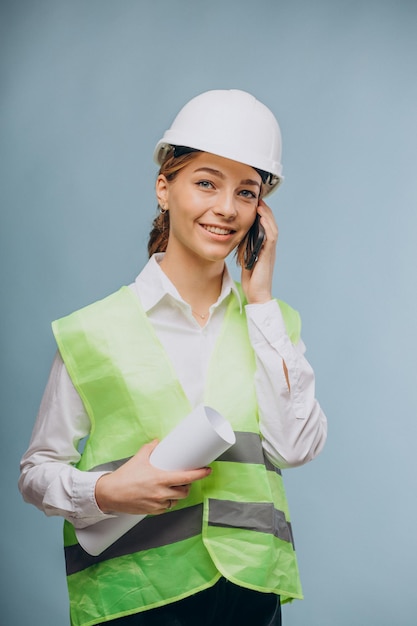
(265, 323)
(86, 509)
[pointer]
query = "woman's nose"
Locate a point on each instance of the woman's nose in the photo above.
(226, 206)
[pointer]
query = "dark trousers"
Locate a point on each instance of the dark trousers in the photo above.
(224, 604)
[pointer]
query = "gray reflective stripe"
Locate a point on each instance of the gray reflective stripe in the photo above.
(247, 449)
(151, 532)
(109, 467)
(161, 530)
(258, 516)
(271, 467)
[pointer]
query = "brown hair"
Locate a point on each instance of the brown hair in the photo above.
(159, 235)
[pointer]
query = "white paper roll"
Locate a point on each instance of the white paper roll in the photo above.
(196, 441)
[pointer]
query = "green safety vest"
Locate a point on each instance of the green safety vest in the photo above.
(234, 523)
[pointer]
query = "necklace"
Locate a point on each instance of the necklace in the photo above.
(203, 317)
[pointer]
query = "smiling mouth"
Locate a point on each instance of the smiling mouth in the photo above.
(218, 231)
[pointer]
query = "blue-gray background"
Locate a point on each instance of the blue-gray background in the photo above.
(87, 88)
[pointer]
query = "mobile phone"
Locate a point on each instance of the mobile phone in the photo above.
(256, 237)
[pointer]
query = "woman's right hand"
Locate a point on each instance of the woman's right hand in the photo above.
(139, 488)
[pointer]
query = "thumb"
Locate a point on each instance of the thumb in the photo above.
(146, 450)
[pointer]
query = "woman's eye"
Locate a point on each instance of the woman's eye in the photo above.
(205, 184)
(246, 193)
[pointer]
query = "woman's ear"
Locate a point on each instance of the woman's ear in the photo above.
(161, 189)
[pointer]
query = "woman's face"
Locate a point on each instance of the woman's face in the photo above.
(212, 203)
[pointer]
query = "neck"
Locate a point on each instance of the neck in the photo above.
(199, 283)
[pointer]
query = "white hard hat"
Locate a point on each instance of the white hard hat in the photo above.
(232, 124)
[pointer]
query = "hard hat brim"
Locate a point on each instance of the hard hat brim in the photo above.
(162, 149)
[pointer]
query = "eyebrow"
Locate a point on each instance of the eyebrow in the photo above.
(246, 181)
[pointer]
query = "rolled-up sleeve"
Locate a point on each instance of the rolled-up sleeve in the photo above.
(292, 423)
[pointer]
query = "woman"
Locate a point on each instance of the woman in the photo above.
(216, 547)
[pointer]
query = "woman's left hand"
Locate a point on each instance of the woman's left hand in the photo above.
(257, 282)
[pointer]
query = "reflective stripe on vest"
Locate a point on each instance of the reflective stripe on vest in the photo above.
(132, 395)
(180, 525)
(243, 451)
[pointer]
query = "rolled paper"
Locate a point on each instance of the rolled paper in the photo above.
(196, 441)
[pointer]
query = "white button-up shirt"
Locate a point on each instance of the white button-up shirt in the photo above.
(292, 424)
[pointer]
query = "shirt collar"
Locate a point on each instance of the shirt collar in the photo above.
(153, 285)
